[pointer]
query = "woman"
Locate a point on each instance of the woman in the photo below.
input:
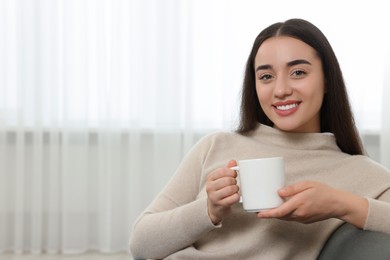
(295, 105)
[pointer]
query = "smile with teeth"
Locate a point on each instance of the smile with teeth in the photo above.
(287, 107)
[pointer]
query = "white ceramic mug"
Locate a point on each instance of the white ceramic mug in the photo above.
(259, 181)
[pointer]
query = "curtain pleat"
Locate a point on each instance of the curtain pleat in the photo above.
(385, 129)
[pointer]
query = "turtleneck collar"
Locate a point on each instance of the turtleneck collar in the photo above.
(298, 141)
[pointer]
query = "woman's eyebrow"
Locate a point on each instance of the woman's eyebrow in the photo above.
(263, 67)
(297, 62)
(289, 64)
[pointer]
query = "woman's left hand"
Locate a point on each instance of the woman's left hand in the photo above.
(311, 201)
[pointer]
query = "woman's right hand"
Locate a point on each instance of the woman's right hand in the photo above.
(222, 192)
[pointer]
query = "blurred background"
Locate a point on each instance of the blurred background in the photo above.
(101, 99)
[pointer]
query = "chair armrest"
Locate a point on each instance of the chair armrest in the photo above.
(349, 242)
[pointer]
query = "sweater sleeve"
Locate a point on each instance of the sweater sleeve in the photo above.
(378, 218)
(178, 216)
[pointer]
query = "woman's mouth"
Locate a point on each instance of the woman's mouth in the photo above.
(286, 108)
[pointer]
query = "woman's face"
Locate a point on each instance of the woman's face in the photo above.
(290, 84)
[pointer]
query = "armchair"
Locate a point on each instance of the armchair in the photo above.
(349, 242)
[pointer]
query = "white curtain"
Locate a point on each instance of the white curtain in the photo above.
(385, 130)
(101, 99)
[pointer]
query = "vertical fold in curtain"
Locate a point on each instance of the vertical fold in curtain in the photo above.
(385, 130)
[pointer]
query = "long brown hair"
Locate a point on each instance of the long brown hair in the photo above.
(336, 113)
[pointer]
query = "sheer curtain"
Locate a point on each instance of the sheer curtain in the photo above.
(99, 102)
(101, 99)
(385, 130)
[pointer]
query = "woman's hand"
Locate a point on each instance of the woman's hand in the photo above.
(222, 192)
(311, 201)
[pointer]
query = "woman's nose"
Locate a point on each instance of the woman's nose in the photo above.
(282, 88)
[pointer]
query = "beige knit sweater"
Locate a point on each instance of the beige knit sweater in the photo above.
(176, 224)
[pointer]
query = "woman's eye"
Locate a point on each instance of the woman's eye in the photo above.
(298, 73)
(265, 77)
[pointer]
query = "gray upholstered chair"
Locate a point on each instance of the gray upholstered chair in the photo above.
(349, 242)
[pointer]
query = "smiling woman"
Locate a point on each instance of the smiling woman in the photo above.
(290, 88)
(100, 100)
(318, 129)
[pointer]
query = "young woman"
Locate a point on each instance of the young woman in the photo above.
(294, 105)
